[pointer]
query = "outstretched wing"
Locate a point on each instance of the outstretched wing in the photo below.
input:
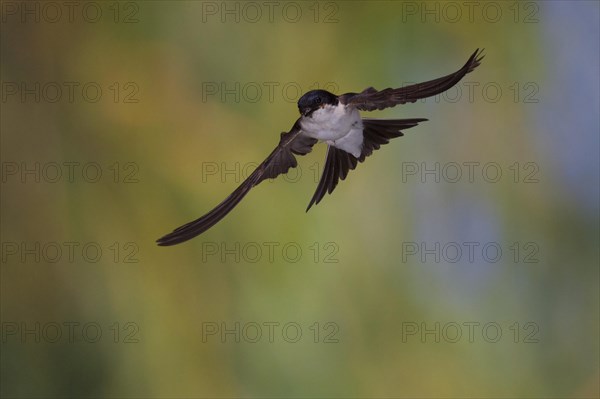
(376, 132)
(371, 99)
(278, 162)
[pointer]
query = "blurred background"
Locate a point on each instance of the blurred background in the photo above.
(459, 261)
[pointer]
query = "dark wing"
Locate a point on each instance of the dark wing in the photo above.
(278, 162)
(338, 163)
(370, 99)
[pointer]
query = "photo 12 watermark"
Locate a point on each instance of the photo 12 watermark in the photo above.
(70, 332)
(69, 92)
(470, 172)
(28, 172)
(470, 332)
(469, 252)
(488, 92)
(252, 12)
(452, 12)
(269, 252)
(55, 12)
(254, 91)
(236, 172)
(68, 252)
(270, 332)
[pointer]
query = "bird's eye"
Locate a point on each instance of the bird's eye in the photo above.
(318, 100)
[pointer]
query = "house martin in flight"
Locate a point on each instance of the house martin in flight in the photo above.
(336, 121)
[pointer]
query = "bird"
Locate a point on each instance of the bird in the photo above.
(335, 120)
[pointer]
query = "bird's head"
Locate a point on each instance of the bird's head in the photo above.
(315, 99)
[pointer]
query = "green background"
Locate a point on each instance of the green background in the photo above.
(542, 56)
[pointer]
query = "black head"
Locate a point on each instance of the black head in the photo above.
(314, 100)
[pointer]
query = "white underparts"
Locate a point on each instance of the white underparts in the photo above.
(338, 126)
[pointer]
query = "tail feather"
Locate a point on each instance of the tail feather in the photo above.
(377, 132)
(338, 163)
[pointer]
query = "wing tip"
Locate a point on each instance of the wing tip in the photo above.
(475, 59)
(168, 240)
(187, 231)
(313, 201)
(181, 234)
